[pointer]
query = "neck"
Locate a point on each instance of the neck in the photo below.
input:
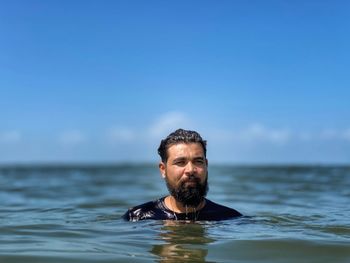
(178, 207)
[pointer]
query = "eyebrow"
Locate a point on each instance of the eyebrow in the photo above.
(179, 159)
(184, 158)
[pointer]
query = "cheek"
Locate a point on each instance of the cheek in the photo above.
(204, 175)
(176, 174)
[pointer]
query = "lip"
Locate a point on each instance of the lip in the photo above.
(191, 183)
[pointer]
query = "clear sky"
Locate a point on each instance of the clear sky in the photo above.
(105, 81)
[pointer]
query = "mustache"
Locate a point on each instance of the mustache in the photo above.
(190, 179)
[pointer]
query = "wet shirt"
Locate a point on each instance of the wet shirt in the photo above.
(157, 210)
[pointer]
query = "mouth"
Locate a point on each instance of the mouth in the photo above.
(191, 182)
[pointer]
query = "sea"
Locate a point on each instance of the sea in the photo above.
(72, 213)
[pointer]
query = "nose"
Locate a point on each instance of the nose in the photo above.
(190, 168)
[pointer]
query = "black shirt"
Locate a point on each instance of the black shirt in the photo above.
(157, 210)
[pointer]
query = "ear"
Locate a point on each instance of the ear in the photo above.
(162, 169)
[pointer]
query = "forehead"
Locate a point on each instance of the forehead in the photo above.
(185, 150)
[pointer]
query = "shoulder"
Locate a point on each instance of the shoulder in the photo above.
(216, 211)
(148, 210)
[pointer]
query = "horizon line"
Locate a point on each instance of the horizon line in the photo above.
(85, 164)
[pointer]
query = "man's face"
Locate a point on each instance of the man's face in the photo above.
(186, 173)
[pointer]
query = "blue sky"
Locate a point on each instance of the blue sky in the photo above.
(105, 81)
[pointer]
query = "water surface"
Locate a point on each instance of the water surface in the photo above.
(72, 214)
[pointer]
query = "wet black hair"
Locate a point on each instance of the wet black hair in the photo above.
(180, 136)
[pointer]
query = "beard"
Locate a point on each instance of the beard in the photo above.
(190, 196)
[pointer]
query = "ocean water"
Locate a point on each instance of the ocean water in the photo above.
(72, 214)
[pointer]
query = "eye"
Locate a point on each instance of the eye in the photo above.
(180, 163)
(199, 161)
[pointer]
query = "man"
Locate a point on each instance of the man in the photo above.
(184, 167)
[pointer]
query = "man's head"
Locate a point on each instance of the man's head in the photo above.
(180, 136)
(184, 166)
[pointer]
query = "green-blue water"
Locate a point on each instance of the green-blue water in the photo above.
(72, 214)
